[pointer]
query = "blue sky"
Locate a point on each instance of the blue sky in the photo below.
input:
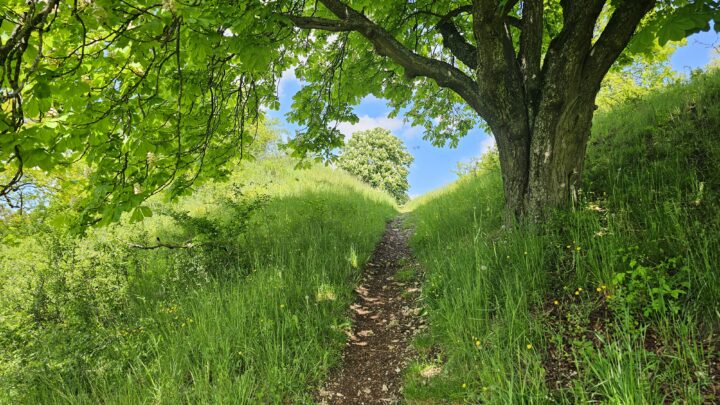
(433, 166)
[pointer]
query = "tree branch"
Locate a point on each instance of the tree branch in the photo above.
(514, 21)
(579, 19)
(22, 32)
(160, 245)
(498, 72)
(456, 43)
(509, 5)
(569, 50)
(531, 39)
(614, 38)
(386, 45)
(324, 24)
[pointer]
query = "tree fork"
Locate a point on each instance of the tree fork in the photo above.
(539, 107)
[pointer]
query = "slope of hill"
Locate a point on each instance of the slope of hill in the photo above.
(237, 294)
(617, 301)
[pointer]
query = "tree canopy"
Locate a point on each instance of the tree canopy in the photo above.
(380, 159)
(155, 96)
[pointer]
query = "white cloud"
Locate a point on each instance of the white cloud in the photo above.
(487, 144)
(395, 125)
(412, 132)
(366, 122)
(288, 78)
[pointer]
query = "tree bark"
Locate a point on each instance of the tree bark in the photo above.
(539, 104)
(542, 168)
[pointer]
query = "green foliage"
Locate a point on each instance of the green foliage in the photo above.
(675, 20)
(158, 96)
(631, 79)
(379, 159)
(613, 302)
(236, 294)
(651, 289)
(488, 161)
(149, 96)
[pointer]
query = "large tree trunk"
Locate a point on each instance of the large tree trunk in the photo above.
(543, 128)
(538, 100)
(542, 168)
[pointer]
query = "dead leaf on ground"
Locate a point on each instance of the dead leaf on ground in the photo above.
(361, 290)
(361, 311)
(430, 371)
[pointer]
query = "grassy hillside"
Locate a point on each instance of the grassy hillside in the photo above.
(617, 301)
(253, 311)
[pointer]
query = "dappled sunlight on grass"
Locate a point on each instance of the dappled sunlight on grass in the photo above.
(614, 301)
(254, 312)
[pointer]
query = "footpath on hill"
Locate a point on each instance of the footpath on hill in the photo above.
(386, 316)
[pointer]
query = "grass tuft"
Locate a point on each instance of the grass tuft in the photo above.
(616, 301)
(254, 313)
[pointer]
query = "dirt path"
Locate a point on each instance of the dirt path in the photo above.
(386, 316)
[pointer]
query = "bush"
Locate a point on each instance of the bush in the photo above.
(379, 159)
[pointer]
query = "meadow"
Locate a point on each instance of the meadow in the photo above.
(244, 303)
(239, 293)
(616, 301)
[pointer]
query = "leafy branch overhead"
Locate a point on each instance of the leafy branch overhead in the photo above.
(155, 96)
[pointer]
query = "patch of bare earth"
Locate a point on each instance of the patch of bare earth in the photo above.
(385, 319)
(561, 368)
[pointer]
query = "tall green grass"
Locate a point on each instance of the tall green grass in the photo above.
(616, 301)
(255, 316)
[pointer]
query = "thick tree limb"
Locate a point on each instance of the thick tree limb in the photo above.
(514, 21)
(509, 5)
(460, 10)
(498, 71)
(324, 24)
(575, 39)
(531, 39)
(615, 37)
(567, 53)
(22, 31)
(454, 41)
(386, 45)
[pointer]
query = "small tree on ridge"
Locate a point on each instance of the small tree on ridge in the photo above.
(380, 159)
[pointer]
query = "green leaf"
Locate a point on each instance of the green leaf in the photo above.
(140, 213)
(42, 90)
